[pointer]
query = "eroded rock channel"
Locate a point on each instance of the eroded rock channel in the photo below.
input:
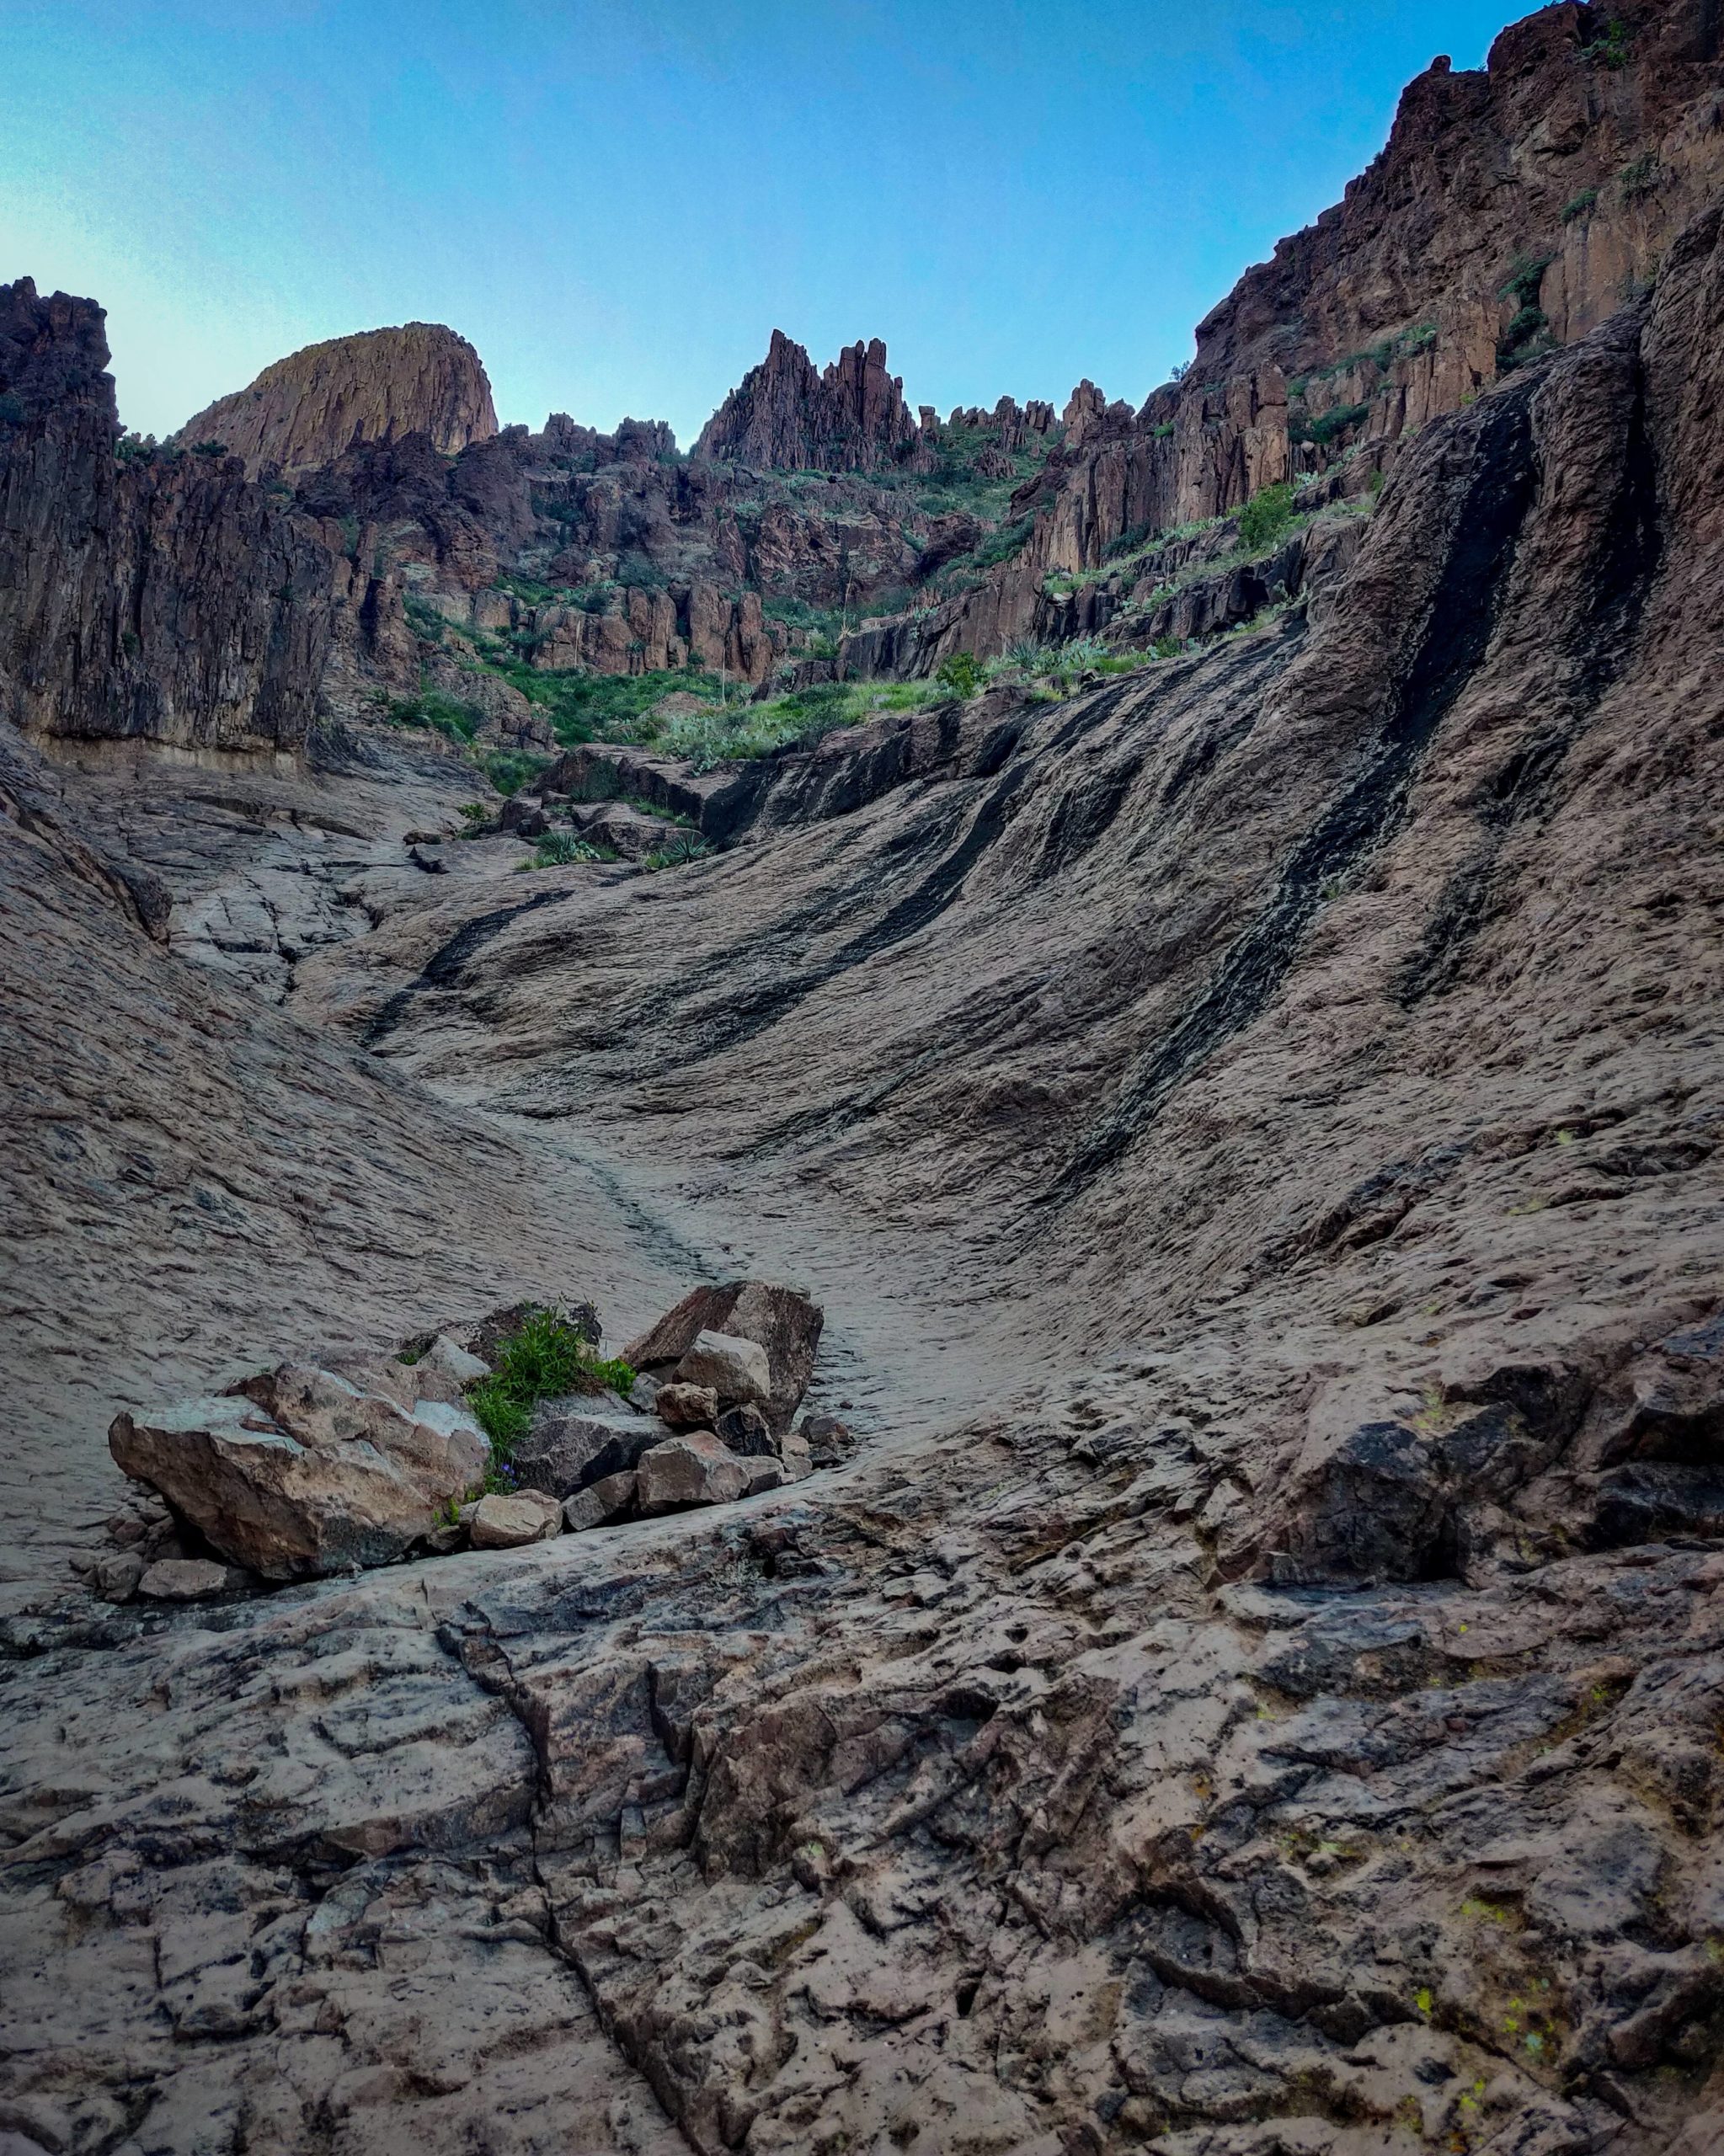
(1217, 1644)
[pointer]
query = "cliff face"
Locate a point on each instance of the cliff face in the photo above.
(163, 596)
(1513, 208)
(785, 416)
(315, 405)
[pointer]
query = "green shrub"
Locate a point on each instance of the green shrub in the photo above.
(1527, 337)
(455, 720)
(1579, 206)
(1266, 515)
(961, 673)
(1334, 422)
(1640, 177)
(209, 449)
(1161, 432)
(1005, 543)
(508, 769)
(1610, 50)
(1166, 647)
(1419, 340)
(1525, 278)
(476, 815)
(544, 1359)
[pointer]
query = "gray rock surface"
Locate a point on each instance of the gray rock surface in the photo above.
(692, 1468)
(736, 1370)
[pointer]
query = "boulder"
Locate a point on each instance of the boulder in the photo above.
(511, 1523)
(184, 1579)
(687, 1406)
(763, 1474)
(691, 1469)
(579, 1439)
(734, 1369)
(299, 1473)
(783, 1320)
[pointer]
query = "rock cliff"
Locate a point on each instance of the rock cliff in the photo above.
(143, 592)
(1513, 208)
(382, 384)
(785, 416)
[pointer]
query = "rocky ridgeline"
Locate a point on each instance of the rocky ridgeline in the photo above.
(306, 1470)
(314, 406)
(785, 416)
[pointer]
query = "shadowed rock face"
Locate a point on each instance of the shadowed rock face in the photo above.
(165, 598)
(381, 385)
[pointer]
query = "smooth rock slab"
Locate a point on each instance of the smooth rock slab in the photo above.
(511, 1523)
(303, 1473)
(735, 1370)
(691, 1469)
(184, 1579)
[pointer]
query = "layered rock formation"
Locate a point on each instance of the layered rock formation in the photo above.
(785, 416)
(381, 385)
(146, 594)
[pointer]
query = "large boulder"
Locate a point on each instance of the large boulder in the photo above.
(302, 1472)
(783, 1320)
(735, 1371)
(690, 1469)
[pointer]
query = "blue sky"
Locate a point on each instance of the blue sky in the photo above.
(618, 202)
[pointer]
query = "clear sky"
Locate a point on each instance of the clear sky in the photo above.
(617, 201)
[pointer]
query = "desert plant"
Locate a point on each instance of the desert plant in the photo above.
(1611, 50)
(961, 673)
(1524, 280)
(678, 852)
(545, 1358)
(1266, 515)
(1579, 206)
(563, 850)
(1640, 177)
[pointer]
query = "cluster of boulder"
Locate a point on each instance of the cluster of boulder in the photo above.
(306, 1470)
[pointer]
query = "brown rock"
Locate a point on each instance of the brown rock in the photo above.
(687, 1406)
(308, 1475)
(184, 1579)
(736, 1370)
(314, 406)
(499, 1523)
(787, 417)
(784, 1321)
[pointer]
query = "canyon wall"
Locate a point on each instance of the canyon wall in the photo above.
(155, 596)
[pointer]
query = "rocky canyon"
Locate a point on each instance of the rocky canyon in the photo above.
(866, 1291)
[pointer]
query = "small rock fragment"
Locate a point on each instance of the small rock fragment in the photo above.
(691, 1469)
(600, 1501)
(736, 1369)
(747, 1433)
(687, 1406)
(509, 1522)
(764, 1474)
(184, 1579)
(794, 1452)
(116, 1578)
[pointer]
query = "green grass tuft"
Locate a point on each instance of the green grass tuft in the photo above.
(544, 1359)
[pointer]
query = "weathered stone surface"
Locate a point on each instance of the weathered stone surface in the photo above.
(499, 1523)
(736, 1370)
(608, 1499)
(690, 1469)
(687, 1406)
(304, 1474)
(314, 406)
(116, 1578)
